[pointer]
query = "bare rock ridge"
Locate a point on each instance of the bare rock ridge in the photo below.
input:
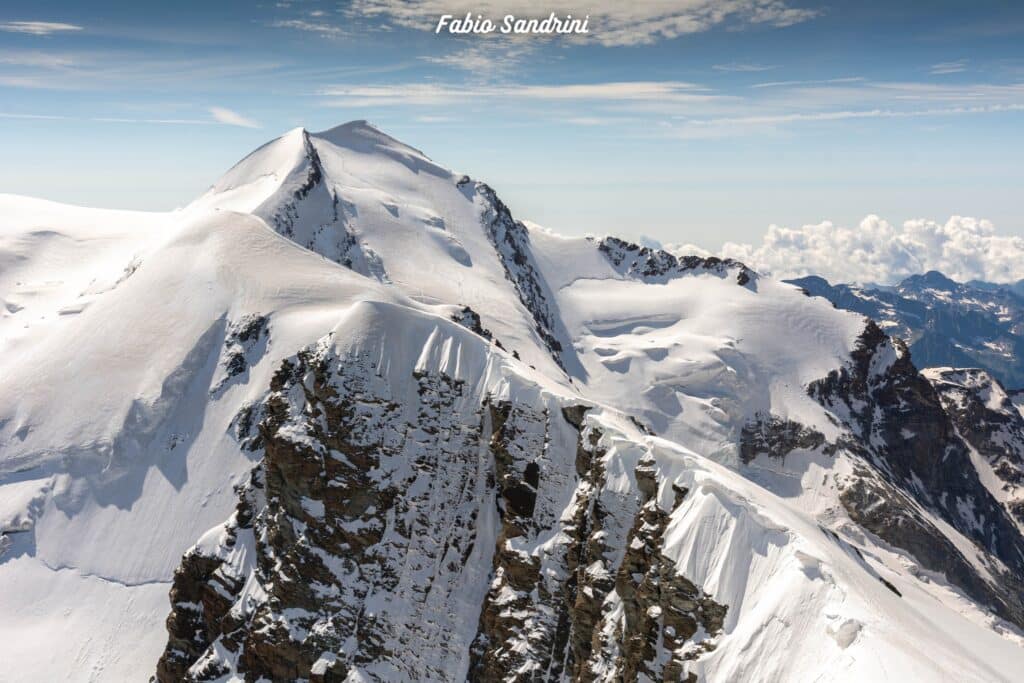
(657, 265)
(511, 240)
(309, 211)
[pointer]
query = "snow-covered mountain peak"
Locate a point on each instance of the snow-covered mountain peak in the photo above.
(353, 152)
(255, 179)
(431, 443)
(365, 138)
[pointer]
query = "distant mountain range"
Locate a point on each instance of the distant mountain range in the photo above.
(945, 323)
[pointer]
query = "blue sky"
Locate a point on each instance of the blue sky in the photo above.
(685, 120)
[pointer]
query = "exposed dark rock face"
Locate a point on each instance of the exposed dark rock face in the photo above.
(470, 319)
(662, 610)
(245, 426)
(244, 344)
(204, 589)
(382, 521)
(617, 608)
(511, 240)
(776, 437)
(538, 618)
(918, 463)
(657, 265)
(316, 211)
(362, 498)
(287, 213)
(987, 417)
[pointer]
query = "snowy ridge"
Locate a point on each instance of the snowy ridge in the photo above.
(361, 423)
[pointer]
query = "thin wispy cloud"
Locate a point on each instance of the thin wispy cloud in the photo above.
(745, 125)
(612, 119)
(743, 68)
(116, 69)
(106, 119)
(169, 122)
(218, 116)
(692, 111)
(41, 117)
(484, 59)
(823, 81)
(37, 28)
(913, 92)
(232, 118)
(943, 68)
(320, 28)
(401, 94)
(612, 22)
(44, 60)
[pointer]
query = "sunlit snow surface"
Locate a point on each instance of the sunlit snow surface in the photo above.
(116, 441)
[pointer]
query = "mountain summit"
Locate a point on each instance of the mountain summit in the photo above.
(346, 418)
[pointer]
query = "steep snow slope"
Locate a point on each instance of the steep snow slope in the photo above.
(407, 436)
(365, 200)
(115, 419)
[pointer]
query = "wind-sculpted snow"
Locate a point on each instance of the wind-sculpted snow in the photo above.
(363, 423)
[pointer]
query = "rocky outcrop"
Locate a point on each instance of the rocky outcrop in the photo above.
(511, 240)
(309, 211)
(203, 593)
(916, 466)
(987, 417)
(286, 213)
(367, 520)
(470, 319)
(244, 344)
(776, 437)
(603, 602)
(538, 619)
(658, 265)
(380, 522)
(666, 620)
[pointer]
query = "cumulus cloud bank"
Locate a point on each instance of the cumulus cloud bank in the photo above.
(877, 251)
